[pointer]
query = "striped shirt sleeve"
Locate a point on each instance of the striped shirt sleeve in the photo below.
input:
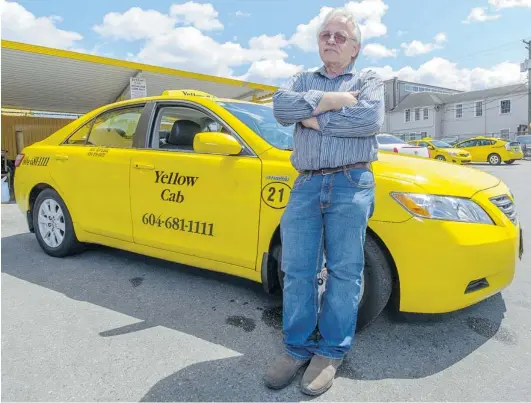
(365, 118)
(291, 104)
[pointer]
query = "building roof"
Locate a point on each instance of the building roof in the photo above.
(47, 79)
(418, 99)
(415, 100)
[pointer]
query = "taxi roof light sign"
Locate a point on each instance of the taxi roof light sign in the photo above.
(188, 93)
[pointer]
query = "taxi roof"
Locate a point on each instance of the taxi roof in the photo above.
(53, 80)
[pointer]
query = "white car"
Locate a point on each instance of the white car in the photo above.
(388, 142)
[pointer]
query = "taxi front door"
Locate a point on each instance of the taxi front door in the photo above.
(203, 205)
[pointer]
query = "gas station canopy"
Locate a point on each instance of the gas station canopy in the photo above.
(52, 80)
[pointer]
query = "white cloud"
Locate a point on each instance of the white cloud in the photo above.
(416, 47)
(442, 72)
(499, 4)
(378, 51)
(270, 71)
(135, 24)
(192, 50)
(369, 14)
(18, 24)
(478, 14)
(201, 16)
(242, 14)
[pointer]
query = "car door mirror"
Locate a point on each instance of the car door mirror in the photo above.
(216, 143)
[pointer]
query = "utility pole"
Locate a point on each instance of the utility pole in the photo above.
(528, 62)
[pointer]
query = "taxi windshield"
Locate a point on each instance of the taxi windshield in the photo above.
(261, 120)
(441, 144)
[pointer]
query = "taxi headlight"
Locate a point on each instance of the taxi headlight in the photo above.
(442, 207)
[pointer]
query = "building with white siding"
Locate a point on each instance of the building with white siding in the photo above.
(500, 112)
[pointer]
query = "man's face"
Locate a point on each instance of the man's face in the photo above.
(335, 43)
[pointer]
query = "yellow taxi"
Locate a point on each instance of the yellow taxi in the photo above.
(442, 151)
(202, 181)
(491, 150)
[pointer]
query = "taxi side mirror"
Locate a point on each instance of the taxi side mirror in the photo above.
(431, 148)
(216, 143)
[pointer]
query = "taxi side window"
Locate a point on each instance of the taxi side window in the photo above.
(176, 127)
(469, 143)
(113, 128)
(81, 135)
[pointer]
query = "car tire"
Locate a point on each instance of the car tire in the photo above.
(440, 158)
(377, 281)
(53, 225)
(494, 159)
(509, 162)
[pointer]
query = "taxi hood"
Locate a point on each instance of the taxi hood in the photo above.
(435, 177)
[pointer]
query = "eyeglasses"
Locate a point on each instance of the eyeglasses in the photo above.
(339, 37)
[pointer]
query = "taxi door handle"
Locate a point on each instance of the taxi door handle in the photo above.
(61, 157)
(144, 166)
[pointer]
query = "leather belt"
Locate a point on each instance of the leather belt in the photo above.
(328, 171)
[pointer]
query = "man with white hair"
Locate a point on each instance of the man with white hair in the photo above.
(337, 111)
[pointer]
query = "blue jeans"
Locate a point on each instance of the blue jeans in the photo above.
(324, 213)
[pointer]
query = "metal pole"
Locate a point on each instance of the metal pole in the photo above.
(528, 43)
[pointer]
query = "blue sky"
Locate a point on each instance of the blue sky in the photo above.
(269, 40)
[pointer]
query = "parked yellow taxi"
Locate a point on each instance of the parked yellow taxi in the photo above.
(203, 181)
(493, 150)
(443, 151)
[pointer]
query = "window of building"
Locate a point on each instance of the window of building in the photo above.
(407, 115)
(417, 114)
(424, 134)
(505, 106)
(425, 113)
(478, 109)
(459, 111)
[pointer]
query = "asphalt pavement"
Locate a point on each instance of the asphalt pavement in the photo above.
(109, 325)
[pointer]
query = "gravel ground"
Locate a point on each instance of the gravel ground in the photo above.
(113, 326)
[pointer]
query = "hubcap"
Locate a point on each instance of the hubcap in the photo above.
(51, 223)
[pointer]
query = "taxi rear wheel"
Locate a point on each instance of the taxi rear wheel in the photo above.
(494, 159)
(376, 286)
(53, 225)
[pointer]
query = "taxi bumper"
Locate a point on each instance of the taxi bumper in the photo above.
(447, 266)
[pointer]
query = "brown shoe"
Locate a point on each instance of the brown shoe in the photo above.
(319, 375)
(282, 371)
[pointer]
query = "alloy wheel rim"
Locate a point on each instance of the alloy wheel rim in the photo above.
(51, 222)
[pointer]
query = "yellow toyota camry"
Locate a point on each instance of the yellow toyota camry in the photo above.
(203, 181)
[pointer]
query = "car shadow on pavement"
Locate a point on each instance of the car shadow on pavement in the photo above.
(238, 315)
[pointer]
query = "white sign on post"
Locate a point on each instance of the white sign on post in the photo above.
(138, 87)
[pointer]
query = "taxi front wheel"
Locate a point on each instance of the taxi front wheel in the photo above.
(377, 281)
(53, 225)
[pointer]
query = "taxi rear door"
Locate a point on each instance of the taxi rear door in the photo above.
(199, 204)
(91, 170)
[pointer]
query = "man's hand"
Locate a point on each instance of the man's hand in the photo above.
(311, 123)
(335, 101)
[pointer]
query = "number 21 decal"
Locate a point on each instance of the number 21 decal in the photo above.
(276, 194)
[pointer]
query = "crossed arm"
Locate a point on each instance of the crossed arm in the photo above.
(338, 114)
